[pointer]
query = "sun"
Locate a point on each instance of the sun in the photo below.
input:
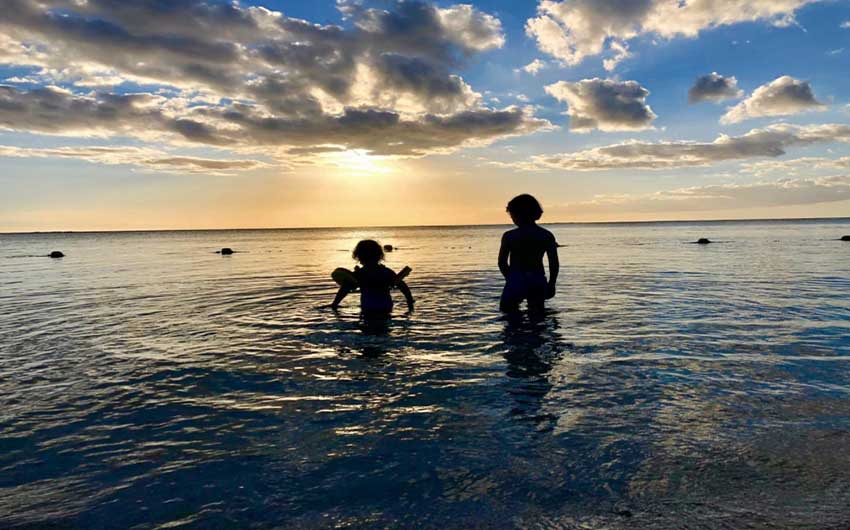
(359, 162)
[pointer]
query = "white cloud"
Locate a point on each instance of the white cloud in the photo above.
(471, 28)
(786, 192)
(770, 142)
(534, 67)
(574, 30)
(146, 158)
(604, 104)
(796, 166)
(781, 97)
(621, 53)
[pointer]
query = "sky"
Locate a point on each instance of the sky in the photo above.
(184, 114)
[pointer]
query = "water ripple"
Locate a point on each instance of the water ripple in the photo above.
(147, 382)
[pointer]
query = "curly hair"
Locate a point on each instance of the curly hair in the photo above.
(525, 208)
(368, 251)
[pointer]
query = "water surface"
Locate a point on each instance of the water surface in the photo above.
(147, 382)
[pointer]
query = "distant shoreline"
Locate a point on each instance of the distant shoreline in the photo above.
(379, 227)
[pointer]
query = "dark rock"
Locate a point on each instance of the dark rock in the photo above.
(703, 241)
(388, 248)
(56, 254)
(845, 238)
(226, 251)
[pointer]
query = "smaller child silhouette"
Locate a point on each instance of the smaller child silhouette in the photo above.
(521, 257)
(374, 280)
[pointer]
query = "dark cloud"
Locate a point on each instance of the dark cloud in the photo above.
(387, 85)
(421, 29)
(416, 76)
(96, 37)
(242, 126)
(200, 163)
(604, 104)
(714, 87)
(55, 110)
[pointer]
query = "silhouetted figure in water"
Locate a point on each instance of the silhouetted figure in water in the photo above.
(521, 258)
(375, 282)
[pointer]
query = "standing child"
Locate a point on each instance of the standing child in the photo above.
(521, 258)
(375, 282)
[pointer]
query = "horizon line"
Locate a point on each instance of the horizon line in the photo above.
(483, 225)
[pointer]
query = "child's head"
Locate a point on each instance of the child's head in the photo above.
(368, 252)
(524, 209)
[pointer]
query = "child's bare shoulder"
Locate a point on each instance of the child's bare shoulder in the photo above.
(546, 236)
(510, 234)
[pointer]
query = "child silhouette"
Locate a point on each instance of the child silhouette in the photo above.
(375, 282)
(521, 258)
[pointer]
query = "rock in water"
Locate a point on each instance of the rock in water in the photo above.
(226, 251)
(703, 241)
(845, 238)
(388, 248)
(56, 254)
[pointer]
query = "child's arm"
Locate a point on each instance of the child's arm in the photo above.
(340, 295)
(554, 268)
(405, 290)
(504, 252)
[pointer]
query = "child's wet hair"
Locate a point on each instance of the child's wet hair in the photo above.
(525, 208)
(368, 251)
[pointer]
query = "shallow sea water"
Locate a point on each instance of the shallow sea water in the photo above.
(147, 382)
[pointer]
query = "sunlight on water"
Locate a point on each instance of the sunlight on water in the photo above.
(146, 380)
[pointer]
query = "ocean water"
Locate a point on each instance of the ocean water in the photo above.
(148, 382)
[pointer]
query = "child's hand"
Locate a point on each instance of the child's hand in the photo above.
(550, 292)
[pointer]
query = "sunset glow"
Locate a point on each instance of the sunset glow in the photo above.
(154, 115)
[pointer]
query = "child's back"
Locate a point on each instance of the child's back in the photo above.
(526, 246)
(521, 257)
(375, 281)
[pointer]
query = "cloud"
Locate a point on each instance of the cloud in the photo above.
(234, 76)
(58, 110)
(796, 166)
(714, 87)
(621, 53)
(145, 158)
(781, 97)
(786, 192)
(846, 25)
(241, 126)
(534, 67)
(604, 104)
(770, 142)
(471, 28)
(576, 29)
